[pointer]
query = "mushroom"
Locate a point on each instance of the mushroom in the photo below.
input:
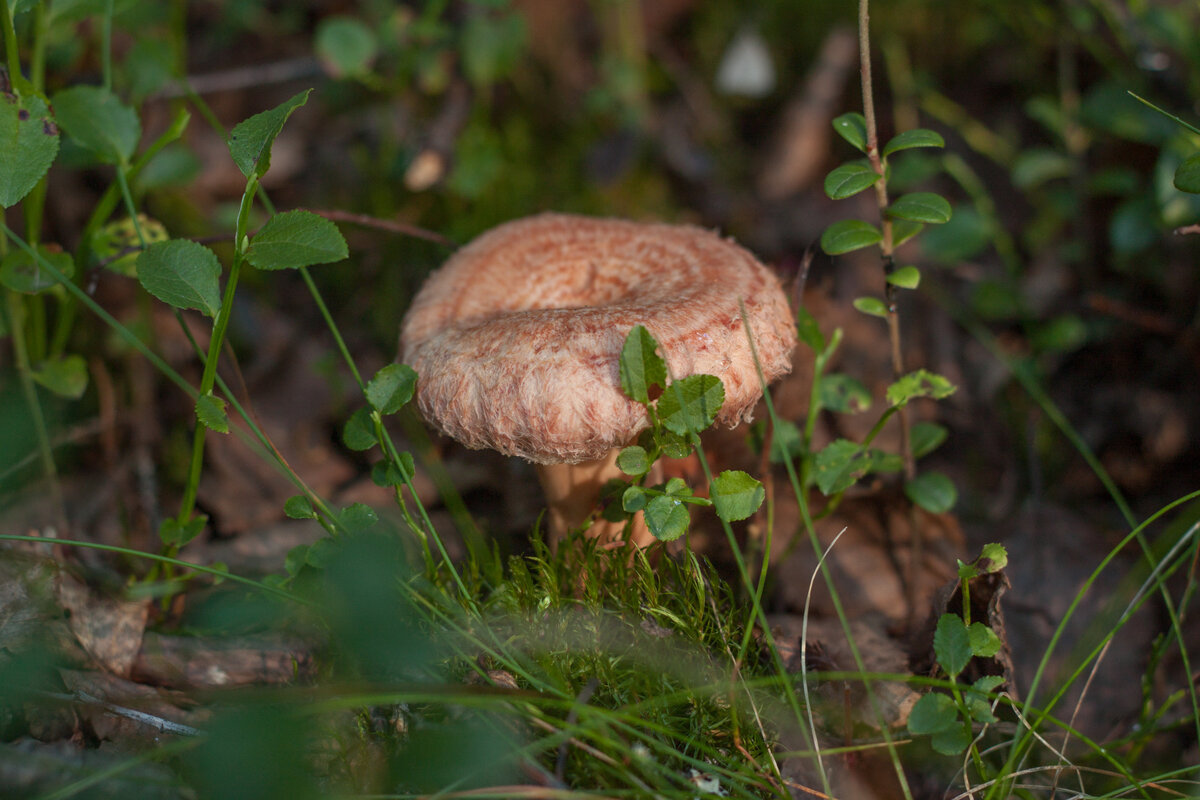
(516, 341)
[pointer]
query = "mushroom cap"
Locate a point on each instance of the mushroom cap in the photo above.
(516, 339)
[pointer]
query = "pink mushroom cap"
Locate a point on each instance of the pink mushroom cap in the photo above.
(516, 339)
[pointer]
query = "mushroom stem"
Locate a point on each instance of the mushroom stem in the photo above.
(572, 493)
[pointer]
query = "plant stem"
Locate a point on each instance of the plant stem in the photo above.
(886, 246)
(16, 325)
(220, 324)
(12, 54)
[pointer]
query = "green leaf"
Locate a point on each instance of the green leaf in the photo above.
(984, 641)
(736, 495)
(853, 128)
(183, 274)
(808, 330)
(932, 713)
(921, 207)
(905, 229)
(28, 145)
(296, 559)
(98, 120)
(667, 515)
(932, 491)
(993, 558)
(21, 272)
(925, 437)
(118, 245)
(66, 376)
(976, 697)
(391, 388)
(389, 473)
(690, 405)
(359, 431)
(952, 644)
(320, 552)
(296, 239)
(908, 277)
(871, 305)
(358, 518)
(633, 460)
(843, 394)
(920, 383)
(849, 234)
(210, 410)
(250, 141)
(345, 45)
(918, 137)
(634, 499)
(839, 464)
(299, 507)
(1187, 175)
(850, 179)
(177, 534)
(672, 445)
(640, 366)
(951, 741)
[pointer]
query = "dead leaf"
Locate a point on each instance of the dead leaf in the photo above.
(110, 629)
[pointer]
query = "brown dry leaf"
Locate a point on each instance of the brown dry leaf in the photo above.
(110, 629)
(829, 650)
(877, 566)
(986, 592)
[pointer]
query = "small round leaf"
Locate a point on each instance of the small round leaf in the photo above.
(918, 137)
(210, 411)
(853, 128)
(871, 305)
(908, 277)
(23, 273)
(1187, 175)
(359, 431)
(736, 495)
(849, 234)
(391, 388)
(345, 46)
(633, 460)
(850, 179)
(690, 405)
(932, 491)
(921, 207)
(299, 507)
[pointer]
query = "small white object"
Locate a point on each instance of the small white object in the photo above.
(706, 783)
(746, 69)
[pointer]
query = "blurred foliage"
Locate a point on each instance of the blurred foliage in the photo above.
(454, 115)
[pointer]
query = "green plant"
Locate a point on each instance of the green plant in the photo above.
(841, 463)
(682, 409)
(947, 719)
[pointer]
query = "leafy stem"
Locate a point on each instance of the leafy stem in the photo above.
(220, 324)
(886, 245)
